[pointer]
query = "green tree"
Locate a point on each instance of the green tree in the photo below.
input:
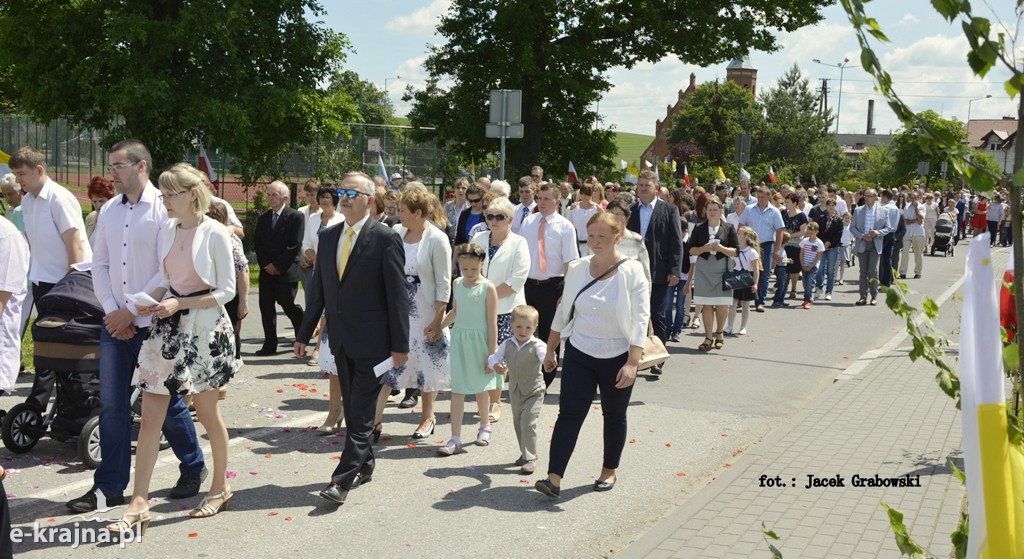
(880, 164)
(795, 133)
(559, 52)
(242, 75)
(711, 117)
(908, 150)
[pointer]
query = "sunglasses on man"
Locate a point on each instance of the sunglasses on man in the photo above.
(349, 193)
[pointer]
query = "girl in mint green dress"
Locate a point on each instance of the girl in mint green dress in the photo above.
(474, 339)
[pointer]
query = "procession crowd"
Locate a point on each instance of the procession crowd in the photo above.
(473, 295)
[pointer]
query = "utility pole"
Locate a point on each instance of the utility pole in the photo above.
(823, 103)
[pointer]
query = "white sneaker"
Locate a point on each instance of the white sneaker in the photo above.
(817, 293)
(742, 332)
(728, 330)
(828, 296)
(840, 282)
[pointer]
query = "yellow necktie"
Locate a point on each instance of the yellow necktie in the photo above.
(346, 249)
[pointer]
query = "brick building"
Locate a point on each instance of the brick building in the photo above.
(740, 71)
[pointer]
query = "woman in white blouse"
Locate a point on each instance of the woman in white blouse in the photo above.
(507, 266)
(604, 312)
(428, 259)
(328, 216)
(190, 348)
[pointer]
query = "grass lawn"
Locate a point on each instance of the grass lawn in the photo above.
(631, 146)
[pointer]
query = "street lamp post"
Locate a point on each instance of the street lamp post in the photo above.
(969, 103)
(842, 69)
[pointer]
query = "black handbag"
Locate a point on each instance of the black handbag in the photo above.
(737, 279)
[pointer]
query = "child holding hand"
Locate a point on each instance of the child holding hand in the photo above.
(474, 338)
(521, 357)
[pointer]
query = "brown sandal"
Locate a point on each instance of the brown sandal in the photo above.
(707, 345)
(719, 340)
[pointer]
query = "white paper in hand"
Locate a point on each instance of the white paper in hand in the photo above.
(384, 366)
(142, 299)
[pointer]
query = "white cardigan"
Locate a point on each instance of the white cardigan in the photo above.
(433, 262)
(511, 265)
(633, 311)
(211, 255)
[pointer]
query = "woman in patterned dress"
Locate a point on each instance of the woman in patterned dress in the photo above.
(191, 345)
(428, 267)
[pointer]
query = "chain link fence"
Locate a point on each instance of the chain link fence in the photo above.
(74, 155)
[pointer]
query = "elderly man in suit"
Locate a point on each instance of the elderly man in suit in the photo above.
(870, 226)
(359, 280)
(278, 241)
(658, 223)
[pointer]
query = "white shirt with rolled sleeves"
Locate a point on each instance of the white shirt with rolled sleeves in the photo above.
(48, 216)
(559, 245)
(14, 259)
(126, 261)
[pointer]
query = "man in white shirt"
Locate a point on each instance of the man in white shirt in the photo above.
(56, 236)
(126, 262)
(13, 291)
(913, 215)
(526, 204)
(552, 242)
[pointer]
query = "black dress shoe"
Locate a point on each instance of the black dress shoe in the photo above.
(604, 485)
(95, 500)
(547, 488)
(411, 399)
(334, 493)
(656, 370)
(188, 484)
(265, 352)
(362, 479)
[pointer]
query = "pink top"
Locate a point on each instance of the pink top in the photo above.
(181, 271)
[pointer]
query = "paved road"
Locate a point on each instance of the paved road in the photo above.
(686, 428)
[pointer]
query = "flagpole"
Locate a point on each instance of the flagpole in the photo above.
(1018, 257)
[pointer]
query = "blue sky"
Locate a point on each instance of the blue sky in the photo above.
(927, 59)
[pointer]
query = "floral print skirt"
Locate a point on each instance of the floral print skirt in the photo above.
(428, 367)
(188, 353)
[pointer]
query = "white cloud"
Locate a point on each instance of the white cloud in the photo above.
(422, 21)
(821, 41)
(908, 19)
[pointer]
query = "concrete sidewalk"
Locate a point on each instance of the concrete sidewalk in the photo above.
(884, 416)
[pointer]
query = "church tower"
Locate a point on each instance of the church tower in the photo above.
(742, 72)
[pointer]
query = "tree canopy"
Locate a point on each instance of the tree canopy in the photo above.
(241, 75)
(788, 132)
(559, 52)
(908, 151)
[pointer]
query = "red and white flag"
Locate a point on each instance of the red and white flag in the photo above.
(686, 176)
(771, 175)
(572, 178)
(206, 166)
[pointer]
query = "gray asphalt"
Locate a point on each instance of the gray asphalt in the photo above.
(686, 427)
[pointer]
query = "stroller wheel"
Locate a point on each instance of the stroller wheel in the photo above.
(89, 443)
(22, 428)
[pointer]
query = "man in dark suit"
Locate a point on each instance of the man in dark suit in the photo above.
(359, 280)
(278, 240)
(658, 223)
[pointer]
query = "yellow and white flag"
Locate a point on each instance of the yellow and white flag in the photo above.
(4, 169)
(993, 466)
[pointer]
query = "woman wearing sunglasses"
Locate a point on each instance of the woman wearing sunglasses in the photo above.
(507, 266)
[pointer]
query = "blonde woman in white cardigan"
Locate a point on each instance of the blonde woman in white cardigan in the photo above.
(507, 266)
(190, 348)
(428, 259)
(606, 326)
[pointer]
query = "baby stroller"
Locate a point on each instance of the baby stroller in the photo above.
(945, 229)
(67, 342)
